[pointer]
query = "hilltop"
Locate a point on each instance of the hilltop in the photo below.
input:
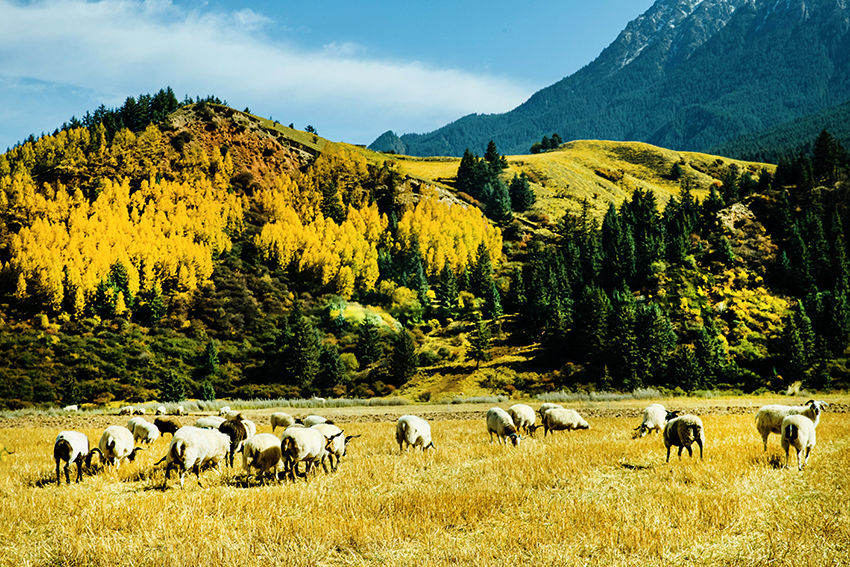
(217, 253)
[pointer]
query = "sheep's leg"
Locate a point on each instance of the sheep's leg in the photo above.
(690, 452)
(700, 449)
(668, 453)
(787, 455)
(325, 465)
(680, 451)
(806, 460)
(79, 470)
(167, 474)
(197, 470)
(764, 439)
(58, 474)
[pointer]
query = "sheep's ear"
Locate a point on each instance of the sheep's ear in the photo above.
(824, 404)
(430, 445)
(809, 403)
(350, 437)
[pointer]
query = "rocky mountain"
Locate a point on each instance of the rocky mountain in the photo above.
(686, 74)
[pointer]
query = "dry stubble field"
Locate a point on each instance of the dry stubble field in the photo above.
(592, 497)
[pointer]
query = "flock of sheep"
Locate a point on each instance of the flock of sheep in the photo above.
(316, 440)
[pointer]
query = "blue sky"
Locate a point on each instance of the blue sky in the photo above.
(352, 69)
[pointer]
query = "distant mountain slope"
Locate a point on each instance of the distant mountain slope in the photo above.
(790, 138)
(687, 74)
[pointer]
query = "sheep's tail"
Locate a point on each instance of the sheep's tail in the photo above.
(791, 431)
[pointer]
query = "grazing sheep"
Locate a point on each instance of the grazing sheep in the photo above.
(546, 407)
(769, 418)
(682, 432)
(126, 410)
(167, 424)
(798, 431)
(193, 447)
(117, 444)
(305, 444)
(131, 425)
(414, 431)
(312, 420)
(72, 407)
(339, 446)
(500, 423)
(281, 419)
(524, 418)
(225, 411)
(145, 432)
(655, 417)
(237, 432)
(262, 452)
(560, 419)
(179, 410)
(139, 411)
(160, 410)
(71, 447)
(209, 422)
(250, 426)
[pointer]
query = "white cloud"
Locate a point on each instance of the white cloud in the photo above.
(118, 48)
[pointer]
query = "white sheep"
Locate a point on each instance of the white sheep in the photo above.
(769, 418)
(225, 411)
(413, 431)
(500, 423)
(560, 419)
(139, 411)
(281, 419)
(250, 426)
(160, 410)
(262, 452)
(338, 448)
(312, 420)
(179, 410)
(209, 422)
(546, 407)
(524, 418)
(798, 431)
(71, 447)
(193, 447)
(682, 432)
(117, 444)
(72, 407)
(655, 417)
(131, 425)
(305, 444)
(145, 432)
(126, 410)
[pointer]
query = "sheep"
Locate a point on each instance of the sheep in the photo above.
(126, 410)
(179, 410)
(304, 444)
(71, 447)
(682, 432)
(250, 426)
(72, 407)
(546, 407)
(191, 448)
(139, 411)
(237, 432)
(524, 418)
(131, 425)
(655, 417)
(209, 422)
(281, 419)
(167, 424)
(500, 423)
(798, 431)
(312, 420)
(339, 446)
(160, 410)
(414, 431)
(262, 452)
(117, 444)
(769, 418)
(145, 432)
(559, 419)
(224, 411)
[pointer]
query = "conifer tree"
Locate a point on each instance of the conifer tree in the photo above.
(331, 369)
(656, 340)
(522, 197)
(304, 350)
(207, 391)
(171, 387)
(447, 292)
(210, 358)
(479, 342)
(404, 360)
(368, 347)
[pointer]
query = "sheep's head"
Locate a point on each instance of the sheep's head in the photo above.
(533, 428)
(672, 414)
(347, 439)
(134, 452)
(515, 438)
(329, 442)
(91, 455)
(640, 431)
(817, 406)
(429, 446)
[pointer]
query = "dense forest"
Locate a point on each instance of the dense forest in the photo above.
(209, 254)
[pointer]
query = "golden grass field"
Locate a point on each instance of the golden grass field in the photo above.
(593, 497)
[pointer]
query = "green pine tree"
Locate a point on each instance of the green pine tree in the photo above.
(404, 360)
(479, 342)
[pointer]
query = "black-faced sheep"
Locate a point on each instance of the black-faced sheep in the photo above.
(655, 417)
(71, 447)
(524, 418)
(237, 431)
(682, 432)
(500, 423)
(339, 447)
(117, 444)
(304, 444)
(167, 424)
